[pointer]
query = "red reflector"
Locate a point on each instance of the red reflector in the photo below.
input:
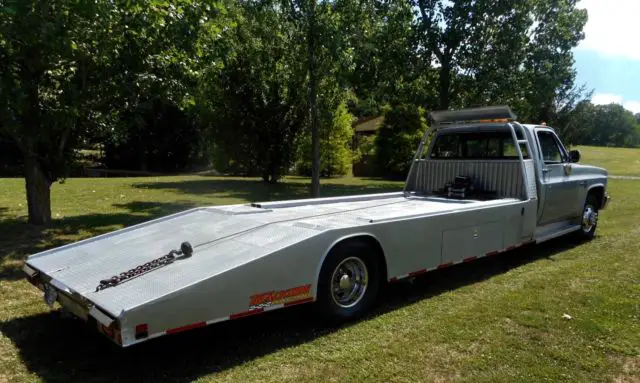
(442, 266)
(142, 331)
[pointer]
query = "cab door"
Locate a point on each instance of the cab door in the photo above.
(560, 189)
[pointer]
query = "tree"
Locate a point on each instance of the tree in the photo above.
(319, 26)
(452, 32)
(305, 14)
(549, 73)
(603, 125)
(259, 97)
(398, 138)
(164, 51)
(580, 124)
(52, 54)
(510, 51)
(70, 68)
(157, 136)
(614, 126)
(569, 114)
(384, 66)
(312, 48)
(336, 155)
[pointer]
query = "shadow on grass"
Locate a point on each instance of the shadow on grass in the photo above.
(256, 191)
(20, 239)
(61, 350)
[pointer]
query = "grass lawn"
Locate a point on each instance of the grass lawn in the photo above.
(618, 161)
(499, 319)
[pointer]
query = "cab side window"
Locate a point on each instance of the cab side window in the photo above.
(551, 152)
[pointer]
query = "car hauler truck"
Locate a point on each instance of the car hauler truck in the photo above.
(480, 183)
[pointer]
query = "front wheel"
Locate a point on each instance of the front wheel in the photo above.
(349, 282)
(589, 219)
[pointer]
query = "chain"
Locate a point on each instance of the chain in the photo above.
(167, 259)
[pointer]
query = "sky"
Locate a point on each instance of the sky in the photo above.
(608, 59)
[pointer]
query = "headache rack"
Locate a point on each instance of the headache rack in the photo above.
(489, 114)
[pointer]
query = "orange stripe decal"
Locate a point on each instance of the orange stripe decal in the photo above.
(299, 302)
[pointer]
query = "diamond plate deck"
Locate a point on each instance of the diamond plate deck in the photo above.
(223, 238)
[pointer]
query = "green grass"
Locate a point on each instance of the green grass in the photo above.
(495, 320)
(618, 161)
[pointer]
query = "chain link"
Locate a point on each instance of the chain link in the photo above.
(157, 263)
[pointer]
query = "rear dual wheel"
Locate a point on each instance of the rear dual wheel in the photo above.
(349, 282)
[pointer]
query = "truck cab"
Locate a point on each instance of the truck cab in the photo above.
(509, 159)
(564, 184)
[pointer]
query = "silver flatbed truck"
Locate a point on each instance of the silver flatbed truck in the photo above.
(480, 183)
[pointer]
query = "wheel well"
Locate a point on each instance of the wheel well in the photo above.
(597, 192)
(372, 243)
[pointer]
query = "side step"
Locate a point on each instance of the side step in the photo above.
(554, 230)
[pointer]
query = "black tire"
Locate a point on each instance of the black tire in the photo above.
(588, 228)
(328, 308)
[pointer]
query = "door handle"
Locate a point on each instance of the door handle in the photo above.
(545, 170)
(583, 183)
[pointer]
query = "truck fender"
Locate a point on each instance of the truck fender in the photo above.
(336, 242)
(591, 189)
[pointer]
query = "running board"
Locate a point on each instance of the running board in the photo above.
(554, 230)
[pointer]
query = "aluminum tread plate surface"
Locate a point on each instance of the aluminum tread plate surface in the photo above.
(221, 242)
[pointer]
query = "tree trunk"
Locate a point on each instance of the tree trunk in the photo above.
(38, 192)
(544, 115)
(313, 84)
(445, 81)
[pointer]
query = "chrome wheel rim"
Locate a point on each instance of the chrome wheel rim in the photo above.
(349, 282)
(589, 218)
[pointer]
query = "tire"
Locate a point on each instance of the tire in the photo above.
(589, 218)
(340, 296)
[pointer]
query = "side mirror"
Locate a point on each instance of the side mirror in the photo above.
(574, 156)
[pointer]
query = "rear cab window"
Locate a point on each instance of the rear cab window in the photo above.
(476, 145)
